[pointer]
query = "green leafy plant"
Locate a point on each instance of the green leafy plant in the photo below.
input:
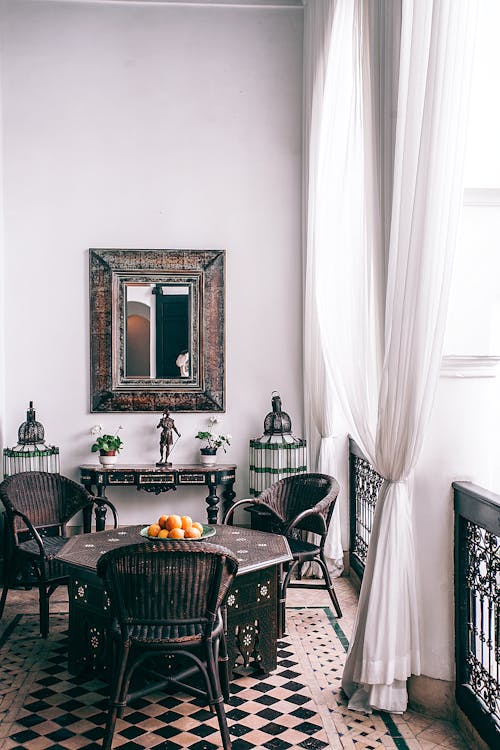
(213, 440)
(105, 443)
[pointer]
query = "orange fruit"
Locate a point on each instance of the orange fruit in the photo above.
(163, 534)
(162, 521)
(153, 530)
(192, 533)
(176, 533)
(173, 522)
(186, 522)
(199, 526)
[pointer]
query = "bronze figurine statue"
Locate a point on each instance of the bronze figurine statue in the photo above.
(168, 427)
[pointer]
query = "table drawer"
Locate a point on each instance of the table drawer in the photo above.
(152, 479)
(253, 589)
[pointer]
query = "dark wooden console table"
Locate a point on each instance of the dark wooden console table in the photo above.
(151, 478)
(253, 609)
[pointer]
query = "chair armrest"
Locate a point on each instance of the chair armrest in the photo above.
(36, 536)
(255, 502)
(228, 517)
(301, 517)
(104, 501)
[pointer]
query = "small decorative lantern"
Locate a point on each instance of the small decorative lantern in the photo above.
(278, 453)
(31, 452)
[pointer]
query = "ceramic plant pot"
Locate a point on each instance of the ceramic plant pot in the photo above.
(107, 458)
(208, 456)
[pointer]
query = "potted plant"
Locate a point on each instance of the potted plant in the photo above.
(107, 445)
(213, 442)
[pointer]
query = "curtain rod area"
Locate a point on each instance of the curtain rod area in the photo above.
(270, 4)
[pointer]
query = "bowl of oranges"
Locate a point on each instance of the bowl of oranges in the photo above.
(177, 527)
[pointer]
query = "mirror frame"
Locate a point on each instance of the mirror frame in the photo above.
(110, 270)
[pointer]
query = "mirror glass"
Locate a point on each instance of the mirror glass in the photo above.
(157, 330)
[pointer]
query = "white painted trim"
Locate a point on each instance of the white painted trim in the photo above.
(482, 197)
(469, 366)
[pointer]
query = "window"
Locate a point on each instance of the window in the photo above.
(473, 326)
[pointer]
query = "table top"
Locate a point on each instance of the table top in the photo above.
(254, 549)
(166, 468)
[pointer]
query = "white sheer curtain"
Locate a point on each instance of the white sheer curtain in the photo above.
(382, 267)
(319, 413)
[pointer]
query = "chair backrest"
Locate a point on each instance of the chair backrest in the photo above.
(49, 500)
(167, 582)
(293, 495)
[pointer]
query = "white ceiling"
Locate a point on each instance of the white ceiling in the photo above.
(242, 3)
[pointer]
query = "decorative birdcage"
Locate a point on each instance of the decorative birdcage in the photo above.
(31, 452)
(277, 453)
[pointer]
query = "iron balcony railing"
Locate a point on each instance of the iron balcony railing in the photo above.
(477, 608)
(364, 486)
(477, 586)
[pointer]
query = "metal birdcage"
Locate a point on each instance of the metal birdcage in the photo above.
(277, 453)
(31, 452)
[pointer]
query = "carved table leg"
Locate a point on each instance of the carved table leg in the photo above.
(228, 495)
(212, 502)
(100, 510)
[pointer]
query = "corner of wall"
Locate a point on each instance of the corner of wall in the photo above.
(470, 734)
(432, 697)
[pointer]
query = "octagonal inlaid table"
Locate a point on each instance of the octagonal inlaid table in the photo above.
(253, 607)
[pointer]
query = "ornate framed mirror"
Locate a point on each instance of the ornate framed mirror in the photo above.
(157, 330)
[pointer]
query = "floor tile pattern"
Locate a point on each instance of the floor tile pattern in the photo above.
(298, 707)
(43, 706)
(323, 667)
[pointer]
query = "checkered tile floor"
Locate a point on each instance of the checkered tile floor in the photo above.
(298, 707)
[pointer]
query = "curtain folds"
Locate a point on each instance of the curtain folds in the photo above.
(388, 157)
(317, 383)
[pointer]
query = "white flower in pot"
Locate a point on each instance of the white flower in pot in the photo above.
(212, 442)
(107, 445)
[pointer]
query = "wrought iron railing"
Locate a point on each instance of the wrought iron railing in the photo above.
(477, 608)
(364, 486)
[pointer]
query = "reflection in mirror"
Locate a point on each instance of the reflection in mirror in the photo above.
(157, 338)
(172, 331)
(138, 349)
(158, 341)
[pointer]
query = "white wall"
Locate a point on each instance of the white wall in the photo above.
(150, 126)
(463, 438)
(458, 447)
(2, 284)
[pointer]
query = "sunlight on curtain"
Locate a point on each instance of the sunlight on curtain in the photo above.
(320, 422)
(380, 275)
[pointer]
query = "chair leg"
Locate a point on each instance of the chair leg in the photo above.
(5, 591)
(120, 665)
(217, 701)
(283, 588)
(223, 661)
(110, 728)
(223, 727)
(44, 610)
(329, 584)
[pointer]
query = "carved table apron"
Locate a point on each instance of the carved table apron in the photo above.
(158, 479)
(252, 612)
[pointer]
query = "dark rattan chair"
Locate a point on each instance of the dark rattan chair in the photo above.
(37, 507)
(302, 502)
(166, 599)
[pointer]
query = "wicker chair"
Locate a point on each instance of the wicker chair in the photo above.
(166, 598)
(302, 502)
(37, 507)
